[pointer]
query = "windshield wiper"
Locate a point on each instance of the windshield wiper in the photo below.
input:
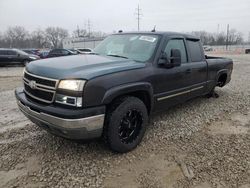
(114, 55)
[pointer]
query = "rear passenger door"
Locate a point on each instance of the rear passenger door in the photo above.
(197, 68)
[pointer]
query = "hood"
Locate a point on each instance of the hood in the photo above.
(80, 66)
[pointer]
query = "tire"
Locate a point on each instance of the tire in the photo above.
(125, 124)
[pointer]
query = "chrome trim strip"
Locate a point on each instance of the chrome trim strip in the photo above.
(37, 98)
(197, 88)
(45, 78)
(38, 88)
(90, 123)
(180, 93)
(40, 85)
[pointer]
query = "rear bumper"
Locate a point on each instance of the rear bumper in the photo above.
(68, 123)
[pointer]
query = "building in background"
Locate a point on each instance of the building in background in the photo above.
(81, 42)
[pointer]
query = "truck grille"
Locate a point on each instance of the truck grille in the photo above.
(39, 88)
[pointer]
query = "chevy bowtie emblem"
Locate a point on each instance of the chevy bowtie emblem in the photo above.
(32, 84)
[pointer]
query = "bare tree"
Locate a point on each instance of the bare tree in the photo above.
(80, 33)
(17, 36)
(39, 40)
(55, 35)
(235, 37)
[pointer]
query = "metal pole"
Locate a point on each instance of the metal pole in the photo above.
(227, 36)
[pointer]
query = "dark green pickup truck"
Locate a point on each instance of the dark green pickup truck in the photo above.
(111, 92)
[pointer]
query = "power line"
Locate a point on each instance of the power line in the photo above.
(138, 16)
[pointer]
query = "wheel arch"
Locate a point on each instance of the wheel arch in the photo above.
(221, 77)
(141, 90)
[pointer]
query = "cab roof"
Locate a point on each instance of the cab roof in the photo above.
(162, 33)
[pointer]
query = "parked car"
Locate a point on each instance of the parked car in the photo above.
(208, 48)
(60, 52)
(84, 50)
(75, 51)
(32, 51)
(31, 54)
(43, 54)
(112, 92)
(247, 51)
(15, 56)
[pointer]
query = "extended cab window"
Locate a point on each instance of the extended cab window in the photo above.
(176, 44)
(195, 50)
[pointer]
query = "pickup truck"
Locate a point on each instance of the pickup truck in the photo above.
(111, 92)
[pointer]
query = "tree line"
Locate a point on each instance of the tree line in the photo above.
(52, 37)
(233, 37)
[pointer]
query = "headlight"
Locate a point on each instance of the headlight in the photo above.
(73, 85)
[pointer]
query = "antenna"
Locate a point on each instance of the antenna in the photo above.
(153, 30)
(138, 16)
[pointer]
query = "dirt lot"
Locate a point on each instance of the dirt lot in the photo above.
(203, 143)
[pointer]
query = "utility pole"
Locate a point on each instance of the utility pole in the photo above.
(78, 31)
(227, 36)
(218, 29)
(89, 26)
(138, 16)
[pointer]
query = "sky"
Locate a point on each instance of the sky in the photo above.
(114, 15)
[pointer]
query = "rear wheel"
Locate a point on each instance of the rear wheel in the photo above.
(125, 124)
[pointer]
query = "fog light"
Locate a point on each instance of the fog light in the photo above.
(68, 100)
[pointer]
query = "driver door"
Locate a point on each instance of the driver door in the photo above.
(171, 84)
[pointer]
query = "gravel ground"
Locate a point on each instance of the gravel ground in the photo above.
(203, 143)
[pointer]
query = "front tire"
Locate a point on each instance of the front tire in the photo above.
(125, 124)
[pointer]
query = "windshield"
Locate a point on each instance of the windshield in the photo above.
(132, 46)
(21, 52)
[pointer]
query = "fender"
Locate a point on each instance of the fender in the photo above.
(128, 88)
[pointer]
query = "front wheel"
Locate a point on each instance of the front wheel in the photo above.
(125, 124)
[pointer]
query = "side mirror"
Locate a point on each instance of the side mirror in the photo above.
(163, 60)
(173, 61)
(175, 58)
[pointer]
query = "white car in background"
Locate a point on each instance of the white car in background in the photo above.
(84, 50)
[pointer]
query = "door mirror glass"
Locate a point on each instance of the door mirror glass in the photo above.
(175, 58)
(163, 59)
(171, 61)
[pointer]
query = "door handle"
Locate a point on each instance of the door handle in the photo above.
(188, 71)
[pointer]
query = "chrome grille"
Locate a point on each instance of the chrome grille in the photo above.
(39, 88)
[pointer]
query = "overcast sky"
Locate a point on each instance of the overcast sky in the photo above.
(113, 15)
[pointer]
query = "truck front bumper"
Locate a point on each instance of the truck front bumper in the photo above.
(68, 123)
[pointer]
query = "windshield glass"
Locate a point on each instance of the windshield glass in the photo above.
(21, 52)
(138, 47)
